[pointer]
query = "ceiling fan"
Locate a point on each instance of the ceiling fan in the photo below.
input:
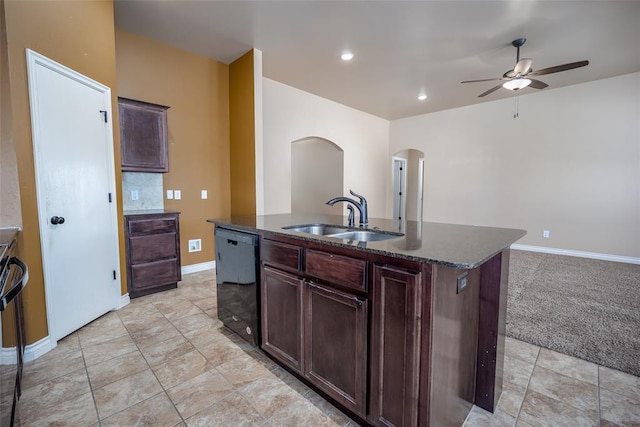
(520, 76)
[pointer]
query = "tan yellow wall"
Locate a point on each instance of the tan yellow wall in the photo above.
(79, 35)
(196, 89)
(242, 133)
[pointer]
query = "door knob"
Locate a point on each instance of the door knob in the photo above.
(57, 220)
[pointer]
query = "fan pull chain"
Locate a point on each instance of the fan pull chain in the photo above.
(516, 107)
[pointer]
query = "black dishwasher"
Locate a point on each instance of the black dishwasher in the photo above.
(237, 277)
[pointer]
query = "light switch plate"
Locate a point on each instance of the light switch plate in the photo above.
(203, 194)
(177, 194)
(169, 194)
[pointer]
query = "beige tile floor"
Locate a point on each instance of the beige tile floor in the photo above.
(165, 360)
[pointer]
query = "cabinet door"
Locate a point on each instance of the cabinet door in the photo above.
(395, 347)
(336, 344)
(143, 136)
(282, 317)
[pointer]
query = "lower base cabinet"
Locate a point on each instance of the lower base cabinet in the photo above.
(395, 347)
(335, 344)
(152, 243)
(389, 340)
(318, 332)
(281, 295)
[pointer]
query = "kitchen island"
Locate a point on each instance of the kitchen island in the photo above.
(405, 331)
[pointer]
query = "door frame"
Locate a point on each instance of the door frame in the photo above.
(34, 60)
(420, 189)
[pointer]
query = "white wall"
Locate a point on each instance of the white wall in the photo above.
(317, 169)
(570, 163)
(291, 114)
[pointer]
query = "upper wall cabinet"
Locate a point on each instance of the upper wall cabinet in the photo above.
(143, 136)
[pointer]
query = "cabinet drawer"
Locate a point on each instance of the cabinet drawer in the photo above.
(281, 254)
(152, 225)
(345, 271)
(153, 247)
(154, 274)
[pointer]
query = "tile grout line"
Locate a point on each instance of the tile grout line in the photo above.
(526, 390)
(152, 370)
(86, 370)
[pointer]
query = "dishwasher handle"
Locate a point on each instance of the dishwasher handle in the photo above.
(234, 238)
(18, 284)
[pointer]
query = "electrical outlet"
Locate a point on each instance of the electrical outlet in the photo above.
(545, 234)
(177, 194)
(195, 245)
(134, 194)
(462, 283)
(203, 194)
(169, 194)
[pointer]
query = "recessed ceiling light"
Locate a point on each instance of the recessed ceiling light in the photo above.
(346, 56)
(422, 96)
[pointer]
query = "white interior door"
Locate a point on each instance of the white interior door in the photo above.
(73, 156)
(399, 196)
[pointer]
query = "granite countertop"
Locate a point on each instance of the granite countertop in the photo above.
(459, 246)
(150, 212)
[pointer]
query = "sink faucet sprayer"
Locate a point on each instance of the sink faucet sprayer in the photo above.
(362, 208)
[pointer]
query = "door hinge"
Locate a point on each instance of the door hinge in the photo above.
(110, 198)
(104, 115)
(114, 275)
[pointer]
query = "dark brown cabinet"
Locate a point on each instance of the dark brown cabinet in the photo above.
(335, 344)
(312, 323)
(391, 341)
(281, 295)
(395, 346)
(143, 136)
(153, 253)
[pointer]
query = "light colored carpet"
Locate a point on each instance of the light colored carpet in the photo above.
(582, 307)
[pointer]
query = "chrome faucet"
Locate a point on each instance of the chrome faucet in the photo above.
(361, 206)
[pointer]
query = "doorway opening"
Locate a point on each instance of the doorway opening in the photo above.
(408, 185)
(317, 174)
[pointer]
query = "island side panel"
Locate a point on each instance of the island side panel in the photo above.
(454, 345)
(494, 277)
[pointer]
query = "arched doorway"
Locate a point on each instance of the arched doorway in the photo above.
(317, 173)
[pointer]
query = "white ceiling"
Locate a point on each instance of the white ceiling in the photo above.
(401, 47)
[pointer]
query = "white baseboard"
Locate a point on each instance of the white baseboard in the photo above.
(31, 351)
(38, 348)
(8, 356)
(579, 254)
(194, 268)
(124, 301)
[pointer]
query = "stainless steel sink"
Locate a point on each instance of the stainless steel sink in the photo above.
(342, 232)
(366, 236)
(318, 229)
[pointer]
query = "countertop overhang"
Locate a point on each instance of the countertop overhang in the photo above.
(452, 245)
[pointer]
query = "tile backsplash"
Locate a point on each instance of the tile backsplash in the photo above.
(149, 188)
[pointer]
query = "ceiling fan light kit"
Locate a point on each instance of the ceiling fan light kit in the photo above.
(516, 84)
(518, 77)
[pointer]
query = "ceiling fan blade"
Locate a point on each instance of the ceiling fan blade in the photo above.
(481, 80)
(537, 84)
(522, 66)
(558, 68)
(493, 89)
